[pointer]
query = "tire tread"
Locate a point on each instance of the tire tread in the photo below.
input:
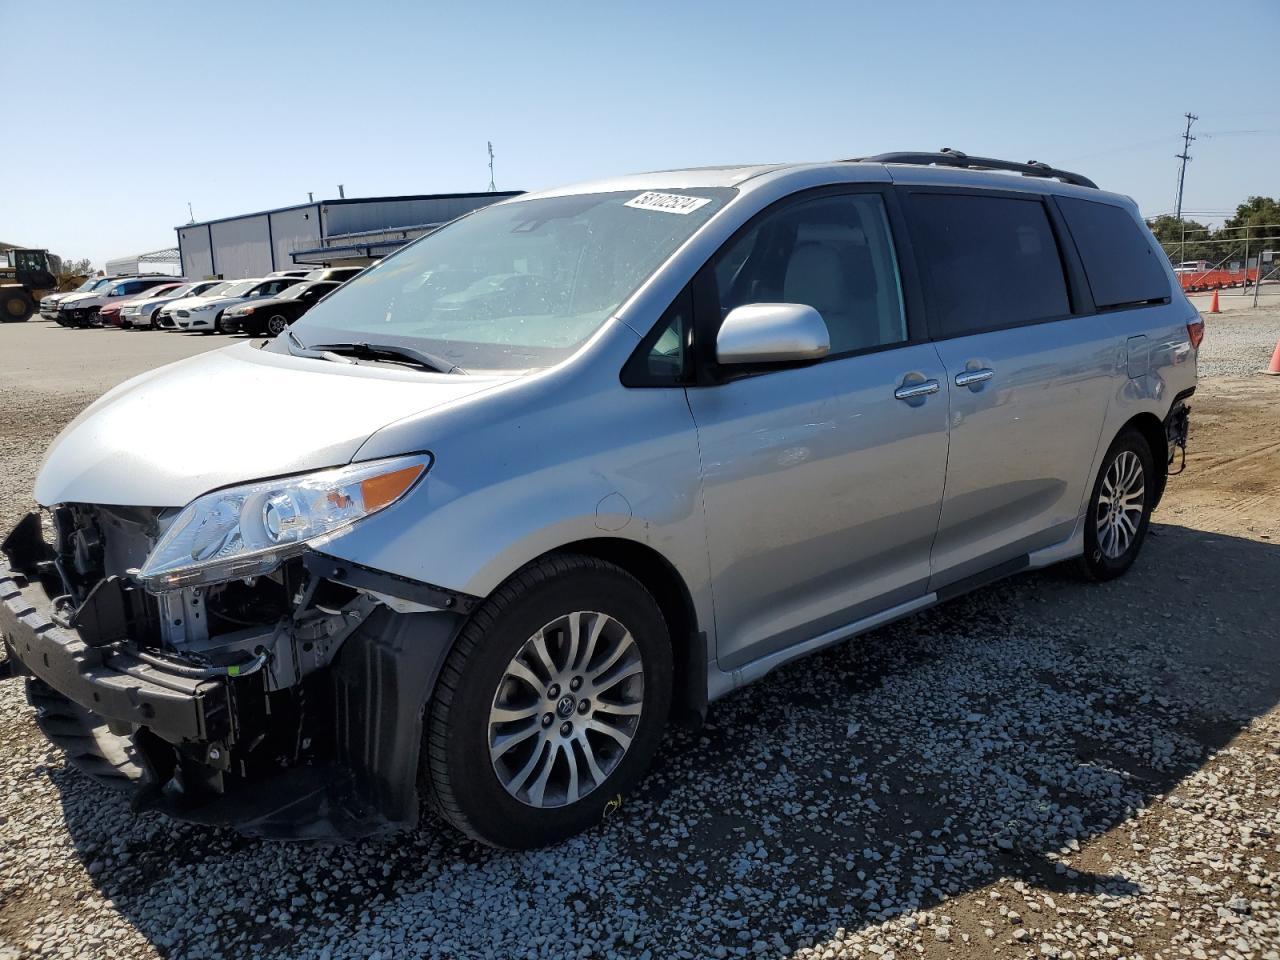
(437, 783)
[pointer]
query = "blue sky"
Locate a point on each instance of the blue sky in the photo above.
(239, 106)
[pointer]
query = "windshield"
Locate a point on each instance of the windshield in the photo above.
(237, 289)
(185, 290)
(87, 285)
(517, 285)
(229, 288)
(294, 292)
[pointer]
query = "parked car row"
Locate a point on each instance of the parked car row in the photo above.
(255, 305)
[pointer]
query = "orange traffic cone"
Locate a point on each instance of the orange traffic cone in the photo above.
(1274, 369)
(1213, 307)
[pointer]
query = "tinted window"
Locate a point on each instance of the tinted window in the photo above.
(833, 254)
(992, 262)
(1117, 257)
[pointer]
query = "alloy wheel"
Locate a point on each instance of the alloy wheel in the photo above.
(276, 325)
(566, 709)
(1121, 502)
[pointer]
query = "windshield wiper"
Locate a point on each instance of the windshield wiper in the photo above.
(389, 352)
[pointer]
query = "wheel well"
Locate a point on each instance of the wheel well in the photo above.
(660, 578)
(1152, 431)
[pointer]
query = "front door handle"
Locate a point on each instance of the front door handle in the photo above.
(973, 377)
(913, 391)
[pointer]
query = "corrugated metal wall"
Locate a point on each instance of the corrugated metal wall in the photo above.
(241, 247)
(122, 265)
(375, 214)
(196, 259)
(294, 230)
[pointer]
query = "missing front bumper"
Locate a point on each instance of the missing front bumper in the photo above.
(186, 745)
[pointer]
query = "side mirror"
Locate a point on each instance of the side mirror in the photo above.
(772, 333)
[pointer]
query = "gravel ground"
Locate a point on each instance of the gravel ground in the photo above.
(1041, 769)
(1239, 342)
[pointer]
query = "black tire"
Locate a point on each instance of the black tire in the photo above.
(457, 772)
(217, 323)
(16, 305)
(277, 324)
(1100, 560)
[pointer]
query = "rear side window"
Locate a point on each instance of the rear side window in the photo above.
(1118, 259)
(992, 261)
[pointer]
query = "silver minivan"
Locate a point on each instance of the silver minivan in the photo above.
(578, 464)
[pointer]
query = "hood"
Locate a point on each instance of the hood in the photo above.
(233, 415)
(214, 302)
(73, 298)
(189, 303)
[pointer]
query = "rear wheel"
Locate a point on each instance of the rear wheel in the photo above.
(16, 305)
(1120, 508)
(551, 704)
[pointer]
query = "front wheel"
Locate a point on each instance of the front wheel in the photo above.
(16, 305)
(277, 324)
(1120, 508)
(551, 704)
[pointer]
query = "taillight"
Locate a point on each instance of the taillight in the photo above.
(1195, 330)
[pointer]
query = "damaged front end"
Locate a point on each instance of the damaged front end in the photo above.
(286, 703)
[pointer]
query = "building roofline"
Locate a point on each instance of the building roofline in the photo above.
(346, 200)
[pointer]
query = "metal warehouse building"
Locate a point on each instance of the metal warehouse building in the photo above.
(352, 231)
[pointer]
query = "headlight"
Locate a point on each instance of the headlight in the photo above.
(249, 530)
(240, 312)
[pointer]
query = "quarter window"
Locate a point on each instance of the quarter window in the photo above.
(993, 262)
(663, 357)
(834, 254)
(1118, 259)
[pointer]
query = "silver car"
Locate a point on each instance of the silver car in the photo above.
(576, 465)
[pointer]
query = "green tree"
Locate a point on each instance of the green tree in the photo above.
(1169, 231)
(1262, 216)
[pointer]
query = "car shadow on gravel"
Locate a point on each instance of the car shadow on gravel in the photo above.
(988, 738)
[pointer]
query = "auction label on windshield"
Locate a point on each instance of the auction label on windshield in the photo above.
(667, 202)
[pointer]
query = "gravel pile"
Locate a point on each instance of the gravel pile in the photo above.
(1240, 342)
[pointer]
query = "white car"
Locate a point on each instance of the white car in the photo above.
(49, 302)
(141, 313)
(204, 314)
(81, 309)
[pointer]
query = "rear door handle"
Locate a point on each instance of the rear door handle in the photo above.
(972, 377)
(913, 391)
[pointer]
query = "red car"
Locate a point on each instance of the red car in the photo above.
(110, 313)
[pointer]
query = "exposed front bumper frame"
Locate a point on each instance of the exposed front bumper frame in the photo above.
(106, 680)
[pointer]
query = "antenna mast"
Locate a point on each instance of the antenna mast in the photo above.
(492, 186)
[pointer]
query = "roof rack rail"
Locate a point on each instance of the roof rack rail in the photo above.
(954, 158)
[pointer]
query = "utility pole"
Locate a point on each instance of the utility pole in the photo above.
(1184, 156)
(492, 186)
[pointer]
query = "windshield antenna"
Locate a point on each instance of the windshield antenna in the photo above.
(492, 186)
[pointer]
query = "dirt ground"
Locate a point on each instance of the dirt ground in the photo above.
(1042, 769)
